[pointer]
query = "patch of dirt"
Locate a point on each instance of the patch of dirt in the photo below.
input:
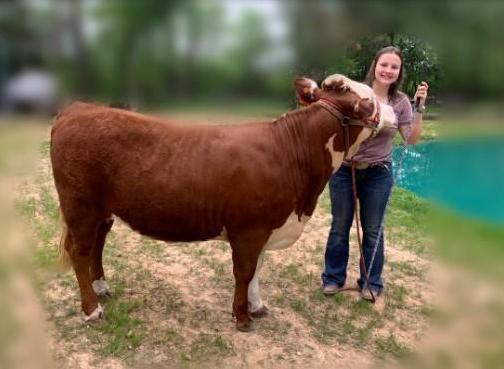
(283, 339)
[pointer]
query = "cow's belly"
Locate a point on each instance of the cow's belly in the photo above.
(165, 226)
(287, 234)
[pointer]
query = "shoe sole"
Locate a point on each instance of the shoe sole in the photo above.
(331, 292)
(369, 298)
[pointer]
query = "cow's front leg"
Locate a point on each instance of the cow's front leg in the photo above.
(256, 306)
(246, 251)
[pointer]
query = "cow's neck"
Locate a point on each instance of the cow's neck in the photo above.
(304, 136)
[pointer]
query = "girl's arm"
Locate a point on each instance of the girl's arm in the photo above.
(415, 131)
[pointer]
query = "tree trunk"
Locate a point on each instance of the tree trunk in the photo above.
(83, 75)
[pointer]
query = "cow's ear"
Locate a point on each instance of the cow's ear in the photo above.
(307, 90)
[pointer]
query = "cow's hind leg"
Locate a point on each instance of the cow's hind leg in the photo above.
(256, 306)
(99, 284)
(246, 250)
(81, 239)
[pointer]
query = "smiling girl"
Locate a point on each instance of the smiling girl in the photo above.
(373, 176)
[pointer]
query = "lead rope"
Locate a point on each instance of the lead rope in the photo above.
(367, 271)
(357, 225)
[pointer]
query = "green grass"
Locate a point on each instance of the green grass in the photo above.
(293, 272)
(172, 301)
(395, 298)
(26, 207)
(167, 336)
(405, 268)
(407, 221)
(324, 200)
(208, 346)
(471, 243)
(462, 125)
(120, 332)
(44, 148)
(341, 318)
(153, 247)
(48, 204)
(299, 306)
(389, 345)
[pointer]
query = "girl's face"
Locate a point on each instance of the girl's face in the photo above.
(388, 67)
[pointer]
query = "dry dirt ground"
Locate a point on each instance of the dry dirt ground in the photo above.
(171, 303)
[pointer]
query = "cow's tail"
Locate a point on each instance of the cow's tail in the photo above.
(63, 255)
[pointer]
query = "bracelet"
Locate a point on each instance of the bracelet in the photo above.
(420, 109)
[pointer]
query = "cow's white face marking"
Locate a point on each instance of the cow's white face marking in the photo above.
(362, 90)
(336, 156)
(387, 115)
(313, 87)
(287, 234)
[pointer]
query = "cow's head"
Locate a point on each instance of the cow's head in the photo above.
(352, 99)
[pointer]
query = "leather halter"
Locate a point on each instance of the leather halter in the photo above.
(346, 121)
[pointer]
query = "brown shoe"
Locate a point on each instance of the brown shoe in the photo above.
(366, 294)
(331, 289)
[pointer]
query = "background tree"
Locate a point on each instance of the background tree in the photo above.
(319, 33)
(125, 25)
(155, 51)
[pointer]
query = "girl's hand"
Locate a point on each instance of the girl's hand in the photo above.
(421, 93)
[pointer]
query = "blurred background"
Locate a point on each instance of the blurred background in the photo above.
(153, 52)
(157, 53)
(219, 58)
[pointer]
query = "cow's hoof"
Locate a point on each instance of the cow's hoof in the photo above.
(101, 288)
(97, 314)
(245, 326)
(260, 313)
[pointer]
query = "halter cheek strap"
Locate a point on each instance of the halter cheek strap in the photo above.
(346, 121)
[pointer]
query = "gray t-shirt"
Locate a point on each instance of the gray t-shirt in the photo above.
(379, 148)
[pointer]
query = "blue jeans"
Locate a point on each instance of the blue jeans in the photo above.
(373, 189)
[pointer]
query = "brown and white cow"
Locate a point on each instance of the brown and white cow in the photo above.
(254, 185)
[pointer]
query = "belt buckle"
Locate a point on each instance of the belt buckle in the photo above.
(360, 165)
